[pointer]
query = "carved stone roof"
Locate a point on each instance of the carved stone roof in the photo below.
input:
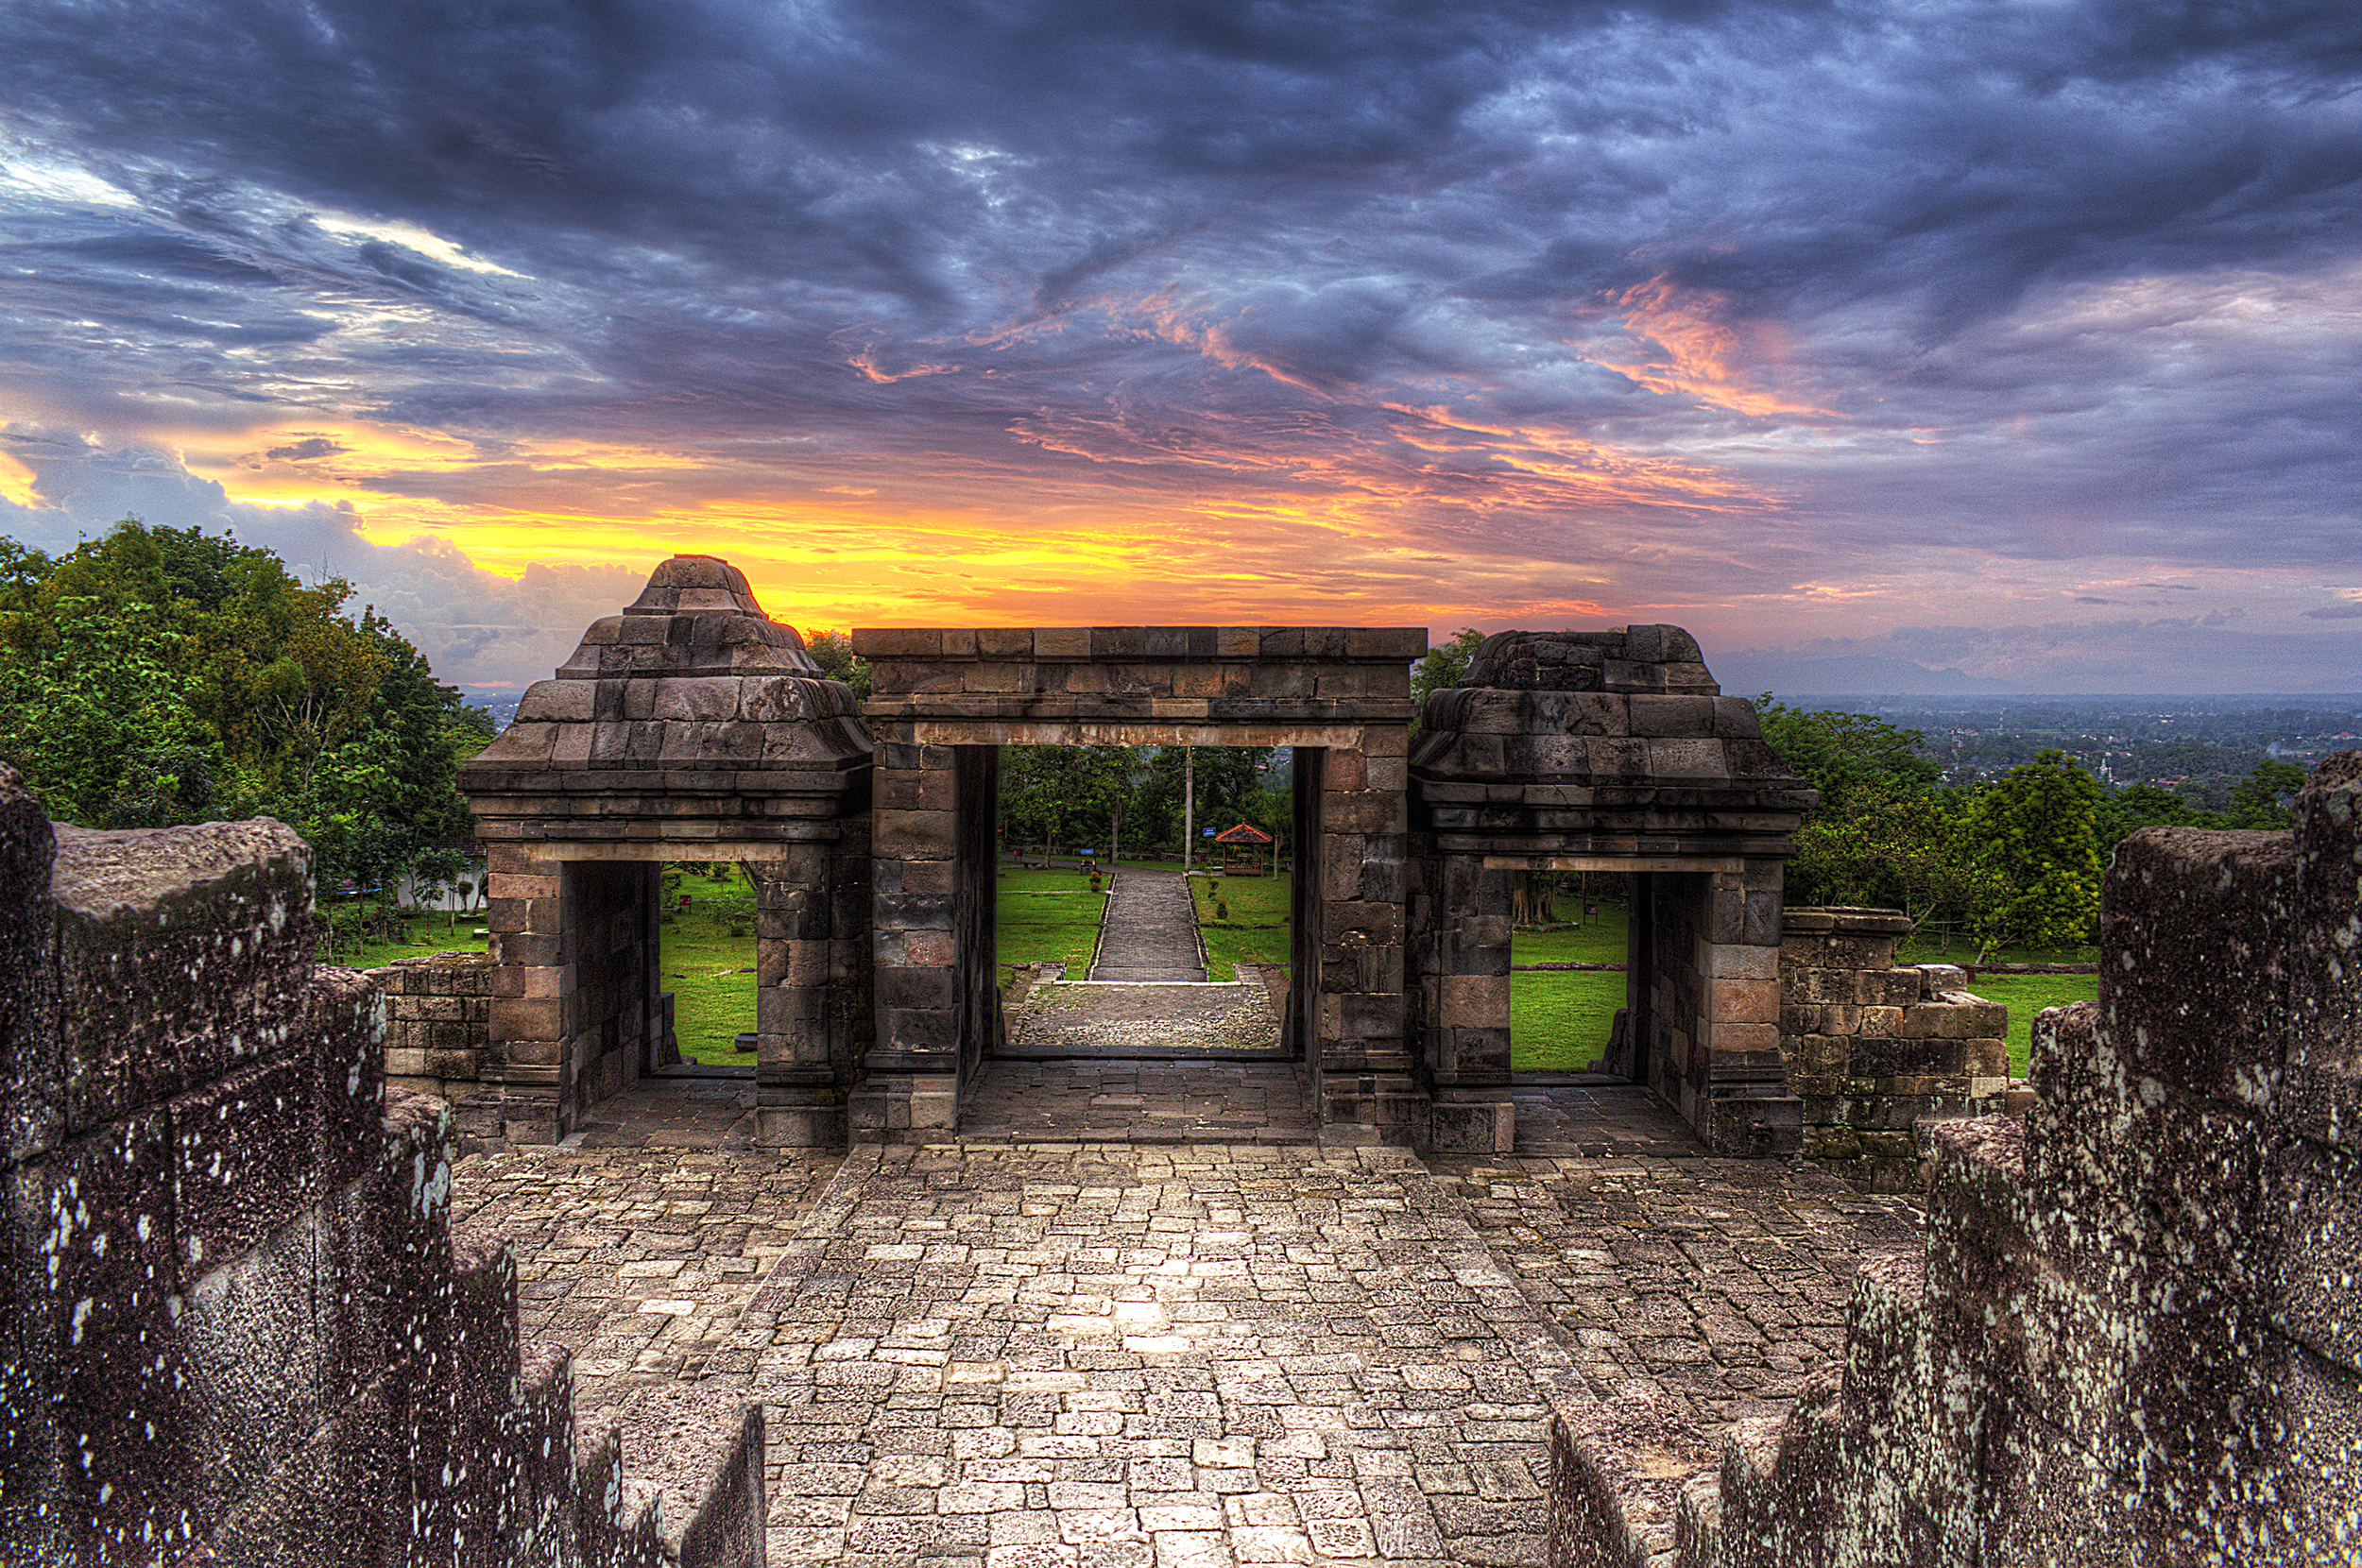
(1612, 742)
(691, 688)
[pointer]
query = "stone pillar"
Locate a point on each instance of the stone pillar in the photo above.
(1747, 1106)
(1367, 1067)
(912, 1078)
(525, 914)
(799, 1068)
(1463, 985)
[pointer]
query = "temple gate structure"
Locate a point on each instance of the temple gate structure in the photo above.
(691, 726)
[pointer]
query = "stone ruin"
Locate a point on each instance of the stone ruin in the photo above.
(1875, 1047)
(693, 727)
(2134, 1333)
(1610, 752)
(236, 1326)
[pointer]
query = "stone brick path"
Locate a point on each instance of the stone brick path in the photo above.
(1148, 931)
(1004, 1355)
(1143, 1019)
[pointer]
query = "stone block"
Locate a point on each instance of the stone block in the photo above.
(915, 835)
(879, 644)
(2193, 924)
(243, 1158)
(1677, 718)
(1062, 642)
(181, 952)
(96, 1436)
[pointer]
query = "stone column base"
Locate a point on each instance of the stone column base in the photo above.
(894, 1107)
(1391, 1104)
(800, 1119)
(1473, 1121)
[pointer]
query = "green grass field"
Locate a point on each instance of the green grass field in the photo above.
(1560, 1019)
(708, 963)
(429, 933)
(1046, 918)
(1256, 928)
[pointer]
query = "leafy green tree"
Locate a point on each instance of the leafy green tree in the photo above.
(833, 651)
(160, 675)
(1844, 755)
(1445, 666)
(2264, 799)
(1232, 786)
(2037, 825)
(2138, 806)
(1062, 795)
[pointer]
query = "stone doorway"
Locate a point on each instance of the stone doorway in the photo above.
(943, 700)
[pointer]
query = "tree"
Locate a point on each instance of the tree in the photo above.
(1445, 666)
(1231, 786)
(2263, 798)
(1062, 795)
(1842, 755)
(2037, 826)
(2138, 806)
(166, 674)
(833, 651)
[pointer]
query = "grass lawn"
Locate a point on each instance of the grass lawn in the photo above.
(1256, 929)
(1560, 1019)
(1046, 918)
(2027, 995)
(710, 971)
(429, 933)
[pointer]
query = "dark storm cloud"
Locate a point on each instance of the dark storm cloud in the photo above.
(1584, 283)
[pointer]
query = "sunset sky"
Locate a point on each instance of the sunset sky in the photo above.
(2019, 341)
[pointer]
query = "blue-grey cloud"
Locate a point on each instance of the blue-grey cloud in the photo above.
(2042, 285)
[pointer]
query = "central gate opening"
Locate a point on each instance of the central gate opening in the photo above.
(1131, 926)
(943, 704)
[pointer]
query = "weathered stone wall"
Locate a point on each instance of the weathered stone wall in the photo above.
(1875, 1048)
(235, 1326)
(2132, 1335)
(439, 1019)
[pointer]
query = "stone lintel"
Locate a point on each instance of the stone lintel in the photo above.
(1122, 645)
(1614, 862)
(937, 731)
(670, 849)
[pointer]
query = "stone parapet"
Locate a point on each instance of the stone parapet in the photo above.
(236, 1325)
(1875, 1047)
(2129, 1335)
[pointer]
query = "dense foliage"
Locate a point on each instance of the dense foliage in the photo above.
(1103, 796)
(2013, 859)
(165, 675)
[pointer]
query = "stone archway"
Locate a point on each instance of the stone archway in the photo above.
(943, 700)
(1610, 751)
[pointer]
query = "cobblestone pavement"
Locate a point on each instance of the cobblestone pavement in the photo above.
(1139, 1102)
(1144, 1355)
(1062, 1018)
(637, 1260)
(1148, 931)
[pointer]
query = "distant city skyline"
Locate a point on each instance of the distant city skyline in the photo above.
(1948, 346)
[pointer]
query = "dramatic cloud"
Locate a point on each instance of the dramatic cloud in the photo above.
(1802, 324)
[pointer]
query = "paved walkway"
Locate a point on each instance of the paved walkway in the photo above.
(1142, 1018)
(1148, 931)
(1012, 1354)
